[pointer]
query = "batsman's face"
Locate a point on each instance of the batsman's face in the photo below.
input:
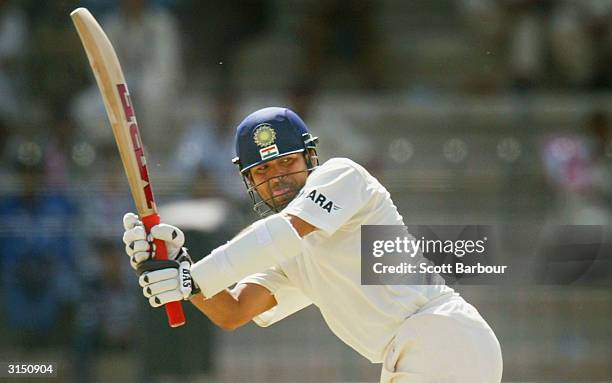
(278, 181)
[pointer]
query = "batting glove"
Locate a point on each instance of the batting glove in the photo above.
(167, 281)
(162, 281)
(140, 247)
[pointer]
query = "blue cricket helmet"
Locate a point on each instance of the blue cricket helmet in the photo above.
(270, 133)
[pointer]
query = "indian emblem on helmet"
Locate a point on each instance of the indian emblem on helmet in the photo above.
(264, 135)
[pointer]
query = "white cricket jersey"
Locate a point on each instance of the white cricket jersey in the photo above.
(338, 197)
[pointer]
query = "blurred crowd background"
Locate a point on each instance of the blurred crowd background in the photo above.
(469, 111)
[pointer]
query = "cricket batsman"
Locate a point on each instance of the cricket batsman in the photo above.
(306, 250)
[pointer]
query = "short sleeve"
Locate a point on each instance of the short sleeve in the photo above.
(333, 193)
(288, 297)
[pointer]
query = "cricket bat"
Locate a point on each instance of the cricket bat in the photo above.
(120, 111)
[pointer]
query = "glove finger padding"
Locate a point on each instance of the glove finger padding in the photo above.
(169, 233)
(134, 234)
(131, 220)
(137, 247)
(167, 297)
(172, 235)
(140, 257)
(160, 270)
(160, 287)
(165, 281)
(133, 263)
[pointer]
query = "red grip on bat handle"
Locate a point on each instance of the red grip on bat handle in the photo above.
(174, 310)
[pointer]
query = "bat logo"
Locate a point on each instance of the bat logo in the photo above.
(136, 142)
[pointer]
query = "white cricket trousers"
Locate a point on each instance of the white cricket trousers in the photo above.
(447, 343)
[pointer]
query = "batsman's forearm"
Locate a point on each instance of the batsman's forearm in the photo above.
(232, 309)
(222, 309)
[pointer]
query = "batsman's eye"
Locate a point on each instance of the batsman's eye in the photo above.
(261, 169)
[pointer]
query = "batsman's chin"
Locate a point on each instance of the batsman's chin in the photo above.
(281, 201)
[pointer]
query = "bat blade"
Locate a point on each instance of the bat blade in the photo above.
(111, 82)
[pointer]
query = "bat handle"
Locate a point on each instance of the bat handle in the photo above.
(174, 310)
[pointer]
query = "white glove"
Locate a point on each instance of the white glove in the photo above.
(138, 243)
(166, 281)
(162, 281)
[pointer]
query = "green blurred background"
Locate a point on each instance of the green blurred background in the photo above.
(469, 111)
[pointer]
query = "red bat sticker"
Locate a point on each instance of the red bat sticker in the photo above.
(135, 135)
